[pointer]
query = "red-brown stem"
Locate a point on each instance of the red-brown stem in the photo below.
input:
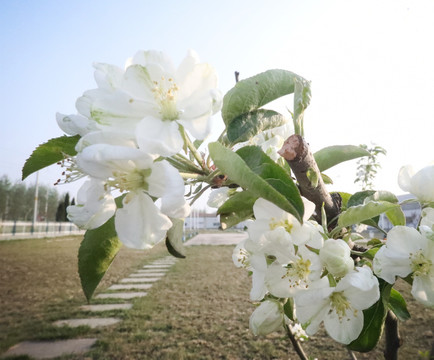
(296, 152)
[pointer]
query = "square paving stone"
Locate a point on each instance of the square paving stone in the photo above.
(140, 280)
(106, 307)
(151, 273)
(51, 349)
(91, 322)
(120, 295)
(164, 267)
(130, 287)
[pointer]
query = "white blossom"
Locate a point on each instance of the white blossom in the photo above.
(269, 216)
(247, 255)
(266, 318)
(419, 183)
(407, 252)
(95, 205)
(139, 223)
(152, 99)
(336, 256)
(340, 307)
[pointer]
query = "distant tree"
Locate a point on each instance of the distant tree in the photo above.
(17, 201)
(5, 186)
(61, 214)
(368, 166)
(53, 199)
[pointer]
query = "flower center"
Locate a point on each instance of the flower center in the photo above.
(165, 93)
(420, 264)
(71, 171)
(298, 272)
(340, 304)
(131, 181)
(274, 223)
(244, 258)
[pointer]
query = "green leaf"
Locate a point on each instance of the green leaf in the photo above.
(313, 177)
(370, 254)
(174, 238)
(275, 175)
(239, 172)
(359, 197)
(345, 197)
(97, 251)
(237, 208)
(359, 213)
(252, 93)
(246, 126)
(396, 215)
(302, 96)
(397, 304)
(49, 153)
(373, 324)
(333, 155)
(326, 179)
(288, 309)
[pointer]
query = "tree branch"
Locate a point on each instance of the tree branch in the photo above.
(295, 343)
(296, 152)
(393, 340)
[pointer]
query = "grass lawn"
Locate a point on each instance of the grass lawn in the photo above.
(199, 310)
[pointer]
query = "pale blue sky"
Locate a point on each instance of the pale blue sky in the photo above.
(370, 63)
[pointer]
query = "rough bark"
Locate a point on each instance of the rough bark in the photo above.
(296, 152)
(393, 340)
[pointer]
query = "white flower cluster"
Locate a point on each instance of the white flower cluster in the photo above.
(289, 260)
(410, 252)
(128, 124)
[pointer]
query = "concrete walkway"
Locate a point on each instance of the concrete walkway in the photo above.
(221, 238)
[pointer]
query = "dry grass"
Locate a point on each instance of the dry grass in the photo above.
(199, 310)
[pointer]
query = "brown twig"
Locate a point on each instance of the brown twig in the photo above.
(296, 152)
(393, 340)
(295, 343)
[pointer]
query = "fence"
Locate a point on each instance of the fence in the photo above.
(10, 230)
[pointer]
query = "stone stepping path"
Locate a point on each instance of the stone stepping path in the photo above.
(141, 280)
(150, 274)
(122, 295)
(157, 267)
(91, 322)
(51, 349)
(130, 287)
(106, 307)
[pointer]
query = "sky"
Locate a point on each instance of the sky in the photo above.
(370, 64)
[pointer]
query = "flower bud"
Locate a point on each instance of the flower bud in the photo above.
(336, 256)
(267, 317)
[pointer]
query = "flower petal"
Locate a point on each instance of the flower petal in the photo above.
(94, 206)
(344, 329)
(102, 160)
(156, 136)
(423, 289)
(75, 124)
(404, 177)
(360, 287)
(139, 223)
(266, 318)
